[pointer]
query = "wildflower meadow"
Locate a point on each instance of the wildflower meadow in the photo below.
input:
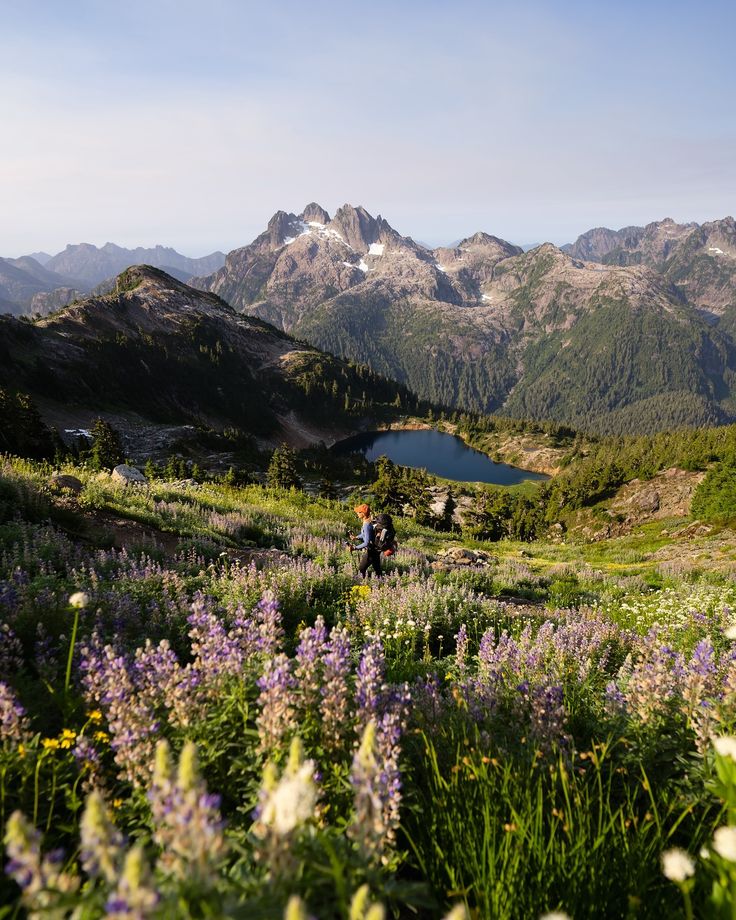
(241, 728)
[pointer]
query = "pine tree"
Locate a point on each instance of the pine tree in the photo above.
(282, 472)
(107, 450)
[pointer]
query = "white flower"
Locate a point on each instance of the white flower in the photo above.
(555, 915)
(725, 745)
(458, 912)
(79, 599)
(292, 802)
(677, 865)
(730, 633)
(724, 843)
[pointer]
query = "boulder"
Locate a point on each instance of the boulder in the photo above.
(61, 482)
(647, 501)
(128, 476)
(439, 507)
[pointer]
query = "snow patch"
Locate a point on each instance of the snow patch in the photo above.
(361, 265)
(440, 267)
(317, 224)
(376, 249)
(486, 297)
(78, 432)
(716, 250)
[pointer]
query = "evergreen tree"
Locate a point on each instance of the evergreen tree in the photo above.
(107, 450)
(327, 489)
(282, 472)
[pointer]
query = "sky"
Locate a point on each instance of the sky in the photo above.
(190, 123)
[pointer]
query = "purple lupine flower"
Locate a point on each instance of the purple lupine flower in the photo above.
(376, 778)
(499, 661)
(276, 718)
(186, 818)
(11, 650)
(368, 828)
(101, 850)
(699, 691)
(615, 700)
(108, 684)
(309, 665)
(40, 878)
(134, 897)
(651, 683)
(547, 724)
(369, 684)
(389, 730)
(216, 654)
(429, 702)
(14, 727)
(335, 701)
(245, 633)
(270, 630)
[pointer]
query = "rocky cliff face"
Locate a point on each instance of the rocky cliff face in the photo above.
(699, 260)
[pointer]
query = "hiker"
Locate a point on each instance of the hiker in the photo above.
(371, 556)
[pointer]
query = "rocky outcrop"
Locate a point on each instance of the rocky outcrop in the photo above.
(125, 475)
(63, 482)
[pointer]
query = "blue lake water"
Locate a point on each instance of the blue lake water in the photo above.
(438, 453)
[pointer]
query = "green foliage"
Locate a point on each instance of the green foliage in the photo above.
(282, 473)
(715, 497)
(106, 451)
(518, 839)
(22, 431)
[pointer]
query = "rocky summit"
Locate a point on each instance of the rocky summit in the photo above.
(623, 331)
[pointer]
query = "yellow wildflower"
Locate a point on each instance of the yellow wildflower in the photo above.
(51, 744)
(67, 738)
(102, 737)
(22, 750)
(116, 803)
(95, 715)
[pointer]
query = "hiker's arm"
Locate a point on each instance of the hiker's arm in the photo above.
(366, 535)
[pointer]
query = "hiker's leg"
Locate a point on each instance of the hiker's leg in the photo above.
(365, 561)
(376, 563)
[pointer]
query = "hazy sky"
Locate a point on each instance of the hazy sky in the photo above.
(189, 123)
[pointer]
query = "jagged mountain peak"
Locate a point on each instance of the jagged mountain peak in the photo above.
(315, 213)
(357, 227)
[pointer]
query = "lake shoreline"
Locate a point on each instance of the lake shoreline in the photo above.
(440, 452)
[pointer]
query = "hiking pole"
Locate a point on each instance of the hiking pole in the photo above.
(351, 552)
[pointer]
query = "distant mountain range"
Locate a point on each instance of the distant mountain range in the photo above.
(621, 331)
(39, 283)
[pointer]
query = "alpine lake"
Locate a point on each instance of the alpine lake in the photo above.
(438, 453)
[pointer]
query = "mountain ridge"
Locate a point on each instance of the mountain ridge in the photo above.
(488, 327)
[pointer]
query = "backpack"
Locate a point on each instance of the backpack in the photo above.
(384, 535)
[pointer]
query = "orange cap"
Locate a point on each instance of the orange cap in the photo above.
(362, 509)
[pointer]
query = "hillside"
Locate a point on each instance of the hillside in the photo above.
(486, 327)
(698, 260)
(164, 353)
(23, 280)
